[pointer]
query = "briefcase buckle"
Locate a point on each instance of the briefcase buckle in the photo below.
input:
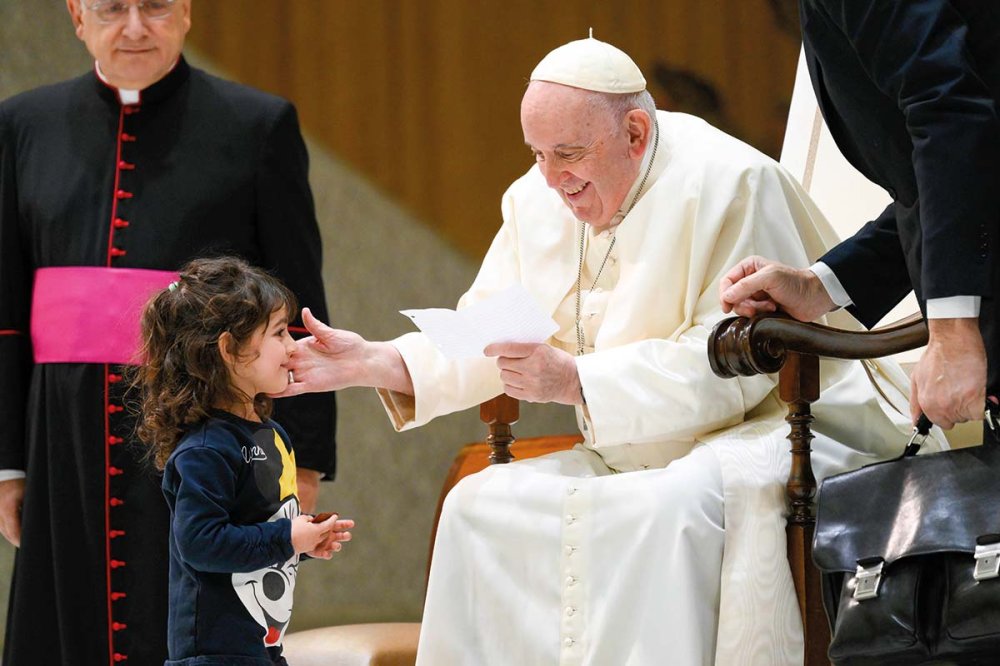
(867, 580)
(987, 561)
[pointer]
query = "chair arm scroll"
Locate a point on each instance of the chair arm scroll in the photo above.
(760, 345)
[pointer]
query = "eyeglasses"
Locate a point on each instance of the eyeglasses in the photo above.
(112, 11)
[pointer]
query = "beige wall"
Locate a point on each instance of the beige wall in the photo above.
(378, 259)
(421, 96)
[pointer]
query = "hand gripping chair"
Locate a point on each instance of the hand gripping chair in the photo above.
(767, 344)
(395, 643)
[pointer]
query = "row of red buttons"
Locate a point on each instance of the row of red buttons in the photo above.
(121, 194)
(113, 471)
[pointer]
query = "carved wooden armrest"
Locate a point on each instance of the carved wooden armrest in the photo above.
(760, 345)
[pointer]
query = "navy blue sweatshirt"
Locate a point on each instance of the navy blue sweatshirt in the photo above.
(230, 484)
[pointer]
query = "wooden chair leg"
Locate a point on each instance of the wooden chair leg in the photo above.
(799, 387)
(500, 413)
(815, 627)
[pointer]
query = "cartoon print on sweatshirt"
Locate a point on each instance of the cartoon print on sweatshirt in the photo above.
(267, 593)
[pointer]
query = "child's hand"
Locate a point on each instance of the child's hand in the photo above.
(320, 539)
(332, 543)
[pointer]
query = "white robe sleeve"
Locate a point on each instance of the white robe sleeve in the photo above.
(441, 385)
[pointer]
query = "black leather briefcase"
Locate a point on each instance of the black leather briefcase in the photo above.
(910, 555)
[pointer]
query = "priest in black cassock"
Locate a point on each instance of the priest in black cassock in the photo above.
(108, 183)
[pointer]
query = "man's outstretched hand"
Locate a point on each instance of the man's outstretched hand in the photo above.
(328, 360)
(332, 359)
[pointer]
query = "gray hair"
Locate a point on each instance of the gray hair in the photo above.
(617, 105)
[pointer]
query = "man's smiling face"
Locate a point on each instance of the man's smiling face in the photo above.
(583, 151)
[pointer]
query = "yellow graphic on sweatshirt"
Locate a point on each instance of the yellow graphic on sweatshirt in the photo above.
(287, 485)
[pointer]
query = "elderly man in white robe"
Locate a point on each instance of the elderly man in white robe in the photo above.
(660, 538)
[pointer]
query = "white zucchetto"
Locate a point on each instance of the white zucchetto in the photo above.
(591, 64)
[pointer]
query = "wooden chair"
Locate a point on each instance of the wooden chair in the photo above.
(766, 344)
(395, 643)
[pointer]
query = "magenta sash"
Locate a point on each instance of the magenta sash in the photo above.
(90, 314)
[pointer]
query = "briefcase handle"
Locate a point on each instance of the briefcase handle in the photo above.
(923, 427)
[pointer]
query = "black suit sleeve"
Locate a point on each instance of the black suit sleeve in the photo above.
(290, 242)
(15, 308)
(872, 257)
(917, 52)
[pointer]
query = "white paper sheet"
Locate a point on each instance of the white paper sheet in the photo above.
(512, 315)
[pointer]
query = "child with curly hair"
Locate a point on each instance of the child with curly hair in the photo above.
(215, 344)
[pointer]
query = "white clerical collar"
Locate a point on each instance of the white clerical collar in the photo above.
(641, 180)
(126, 97)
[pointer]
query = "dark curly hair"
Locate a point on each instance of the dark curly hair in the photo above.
(183, 374)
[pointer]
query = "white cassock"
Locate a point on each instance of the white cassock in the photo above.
(660, 539)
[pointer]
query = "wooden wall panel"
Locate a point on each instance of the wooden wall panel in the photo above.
(422, 96)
